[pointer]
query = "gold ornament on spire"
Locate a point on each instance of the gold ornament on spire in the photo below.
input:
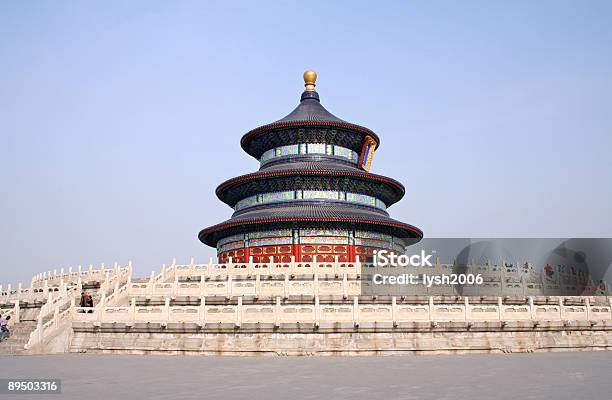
(310, 77)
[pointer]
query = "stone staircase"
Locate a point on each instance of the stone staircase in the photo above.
(20, 333)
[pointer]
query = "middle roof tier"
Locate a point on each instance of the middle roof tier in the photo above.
(313, 175)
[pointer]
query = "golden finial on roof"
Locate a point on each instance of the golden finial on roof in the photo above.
(310, 77)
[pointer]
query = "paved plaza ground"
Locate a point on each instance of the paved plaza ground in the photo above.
(576, 375)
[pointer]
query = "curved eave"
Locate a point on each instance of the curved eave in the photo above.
(210, 236)
(251, 135)
(224, 188)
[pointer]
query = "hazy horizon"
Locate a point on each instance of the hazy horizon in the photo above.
(119, 120)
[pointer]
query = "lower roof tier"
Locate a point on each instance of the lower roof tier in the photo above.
(331, 215)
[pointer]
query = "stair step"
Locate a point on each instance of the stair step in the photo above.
(16, 337)
(14, 351)
(9, 345)
(22, 327)
(19, 337)
(18, 330)
(23, 338)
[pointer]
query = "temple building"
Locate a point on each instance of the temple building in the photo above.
(313, 197)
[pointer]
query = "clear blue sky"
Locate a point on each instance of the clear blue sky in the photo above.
(119, 119)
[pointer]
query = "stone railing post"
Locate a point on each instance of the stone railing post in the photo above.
(229, 286)
(500, 307)
(101, 306)
(317, 311)
(587, 306)
(466, 309)
(561, 311)
(356, 311)
(238, 321)
(430, 303)
(151, 284)
(17, 310)
(532, 312)
(175, 286)
(202, 311)
(31, 293)
(251, 266)
(167, 308)
(192, 267)
(202, 286)
(316, 284)
(394, 310)
(344, 285)
(257, 285)
(286, 287)
(133, 310)
(277, 312)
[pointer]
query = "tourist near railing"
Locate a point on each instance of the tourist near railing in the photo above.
(392, 313)
(48, 295)
(52, 282)
(62, 308)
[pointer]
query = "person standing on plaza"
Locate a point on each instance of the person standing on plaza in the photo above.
(4, 330)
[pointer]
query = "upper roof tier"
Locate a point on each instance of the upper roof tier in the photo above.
(309, 122)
